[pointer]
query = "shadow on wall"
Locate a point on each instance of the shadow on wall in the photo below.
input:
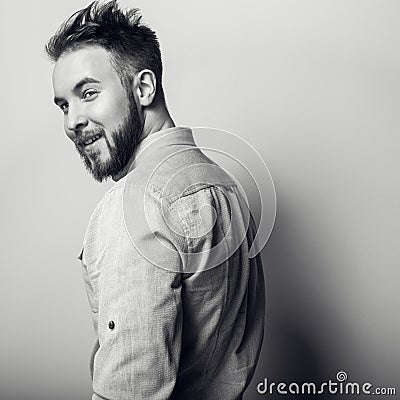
(290, 351)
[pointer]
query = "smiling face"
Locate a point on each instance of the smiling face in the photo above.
(99, 116)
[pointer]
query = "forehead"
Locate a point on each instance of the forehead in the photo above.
(88, 62)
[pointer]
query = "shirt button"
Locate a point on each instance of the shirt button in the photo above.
(111, 325)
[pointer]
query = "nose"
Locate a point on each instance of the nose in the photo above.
(76, 119)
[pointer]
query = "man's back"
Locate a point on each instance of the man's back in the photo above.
(178, 306)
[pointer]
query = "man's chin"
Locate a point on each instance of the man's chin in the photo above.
(112, 162)
(102, 171)
(99, 177)
(99, 170)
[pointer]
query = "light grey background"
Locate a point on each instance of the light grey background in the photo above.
(314, 86)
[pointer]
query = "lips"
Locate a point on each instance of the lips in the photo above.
(90, 140)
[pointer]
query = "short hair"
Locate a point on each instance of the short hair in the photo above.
(133, 45)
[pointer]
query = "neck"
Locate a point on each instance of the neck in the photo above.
(154, 120)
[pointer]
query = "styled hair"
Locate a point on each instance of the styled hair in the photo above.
(133, 46)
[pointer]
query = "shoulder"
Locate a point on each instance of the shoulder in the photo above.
(175, 172)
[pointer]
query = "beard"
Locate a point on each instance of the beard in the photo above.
(125, 138)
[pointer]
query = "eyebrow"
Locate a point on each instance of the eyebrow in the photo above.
(77, 87)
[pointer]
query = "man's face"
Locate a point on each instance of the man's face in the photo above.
(99, 116)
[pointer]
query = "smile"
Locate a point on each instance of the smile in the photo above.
(91, 140)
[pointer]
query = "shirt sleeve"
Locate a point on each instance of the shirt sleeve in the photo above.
(139, 325)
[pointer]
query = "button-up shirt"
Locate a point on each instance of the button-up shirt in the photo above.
(177, 304)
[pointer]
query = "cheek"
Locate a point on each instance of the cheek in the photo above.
(70, 134)
(108, 111)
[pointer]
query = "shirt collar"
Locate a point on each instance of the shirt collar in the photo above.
(165, 137)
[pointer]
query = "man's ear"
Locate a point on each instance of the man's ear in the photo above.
(145, 82)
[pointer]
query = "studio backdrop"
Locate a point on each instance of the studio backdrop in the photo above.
(313, 86)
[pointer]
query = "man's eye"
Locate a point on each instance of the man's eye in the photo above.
(89, 93)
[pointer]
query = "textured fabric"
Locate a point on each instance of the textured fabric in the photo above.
(167, 325)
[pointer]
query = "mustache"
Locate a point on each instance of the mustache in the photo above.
(85, 135)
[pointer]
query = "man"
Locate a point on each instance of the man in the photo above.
(177, 304)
